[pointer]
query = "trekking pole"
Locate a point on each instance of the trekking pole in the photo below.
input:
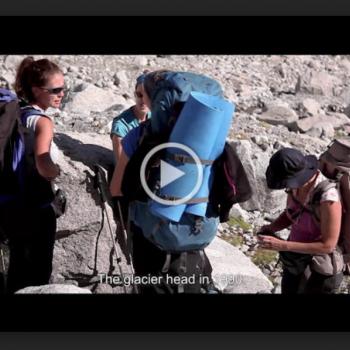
(100, 183)
(3, 267)
(125, 234)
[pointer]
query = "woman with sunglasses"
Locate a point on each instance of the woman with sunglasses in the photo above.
(130, 118)
(311, 262)
(31, 225)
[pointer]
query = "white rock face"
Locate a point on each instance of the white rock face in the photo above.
(54, 289)
(318, 83)
(233, 272)
(84, 246)
(337, 120)
(279, 115)
(92, 99)
(310, 107)
(322, 129)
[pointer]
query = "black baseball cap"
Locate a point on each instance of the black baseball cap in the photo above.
(289, 168)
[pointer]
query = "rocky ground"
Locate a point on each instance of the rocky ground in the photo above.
(296, 101)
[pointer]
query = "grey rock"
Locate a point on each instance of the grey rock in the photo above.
(337, 120)
(255, 162)
(317, 83)
(12, 61)
(345, 63)
(279, 115)
(309, 107)
(233, 272)
(92, 99)
(8, 77)
(322, 129)
(84, 246)
(121, 79)
(54, 289)
(141, 61)
(238, 212)
(73, 69)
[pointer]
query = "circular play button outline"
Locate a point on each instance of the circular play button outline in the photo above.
(197, 161)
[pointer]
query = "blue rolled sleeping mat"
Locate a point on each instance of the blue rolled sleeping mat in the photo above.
(202, 125)
(208, 176)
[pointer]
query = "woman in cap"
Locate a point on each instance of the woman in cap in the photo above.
(310, 236)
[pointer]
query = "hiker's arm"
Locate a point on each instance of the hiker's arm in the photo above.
(43, 138)
(330, 230)
(117, 147)
(279, 224)
(115, 186)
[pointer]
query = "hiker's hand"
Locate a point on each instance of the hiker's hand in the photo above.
(266, 230)
(115, 192)
(57, 173)
(271, 243)
(116, 200)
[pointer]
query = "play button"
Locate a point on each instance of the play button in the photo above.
(168, 173)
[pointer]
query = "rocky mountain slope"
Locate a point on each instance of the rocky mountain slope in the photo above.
(295, 101)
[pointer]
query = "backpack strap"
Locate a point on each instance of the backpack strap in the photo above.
(314, 201)
(28, 111)
(295, 214)
(190, 201)
(316, 196)
(181, 158)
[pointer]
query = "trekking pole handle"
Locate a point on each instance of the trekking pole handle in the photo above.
(100, 183)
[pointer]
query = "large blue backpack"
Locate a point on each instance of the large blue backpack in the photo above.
(171, 91)
(168, 96)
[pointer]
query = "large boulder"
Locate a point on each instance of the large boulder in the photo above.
(317, 83)
(322, 129)
(309, 107)
(54, 289)
(233, 272)
(91, 99)
(337, 120)
(255, 162)
(278, 115)
(84, 248)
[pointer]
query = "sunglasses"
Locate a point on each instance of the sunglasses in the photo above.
(54, 91)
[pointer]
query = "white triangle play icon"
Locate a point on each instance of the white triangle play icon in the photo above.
(168, 173)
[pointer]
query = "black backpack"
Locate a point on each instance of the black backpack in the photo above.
(11, 143)
(230, 185)
(20, 181)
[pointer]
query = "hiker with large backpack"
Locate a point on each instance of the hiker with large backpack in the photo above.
(27, 216)
(335, 165)
(172, 243)
(312, 261)
(121, 125)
